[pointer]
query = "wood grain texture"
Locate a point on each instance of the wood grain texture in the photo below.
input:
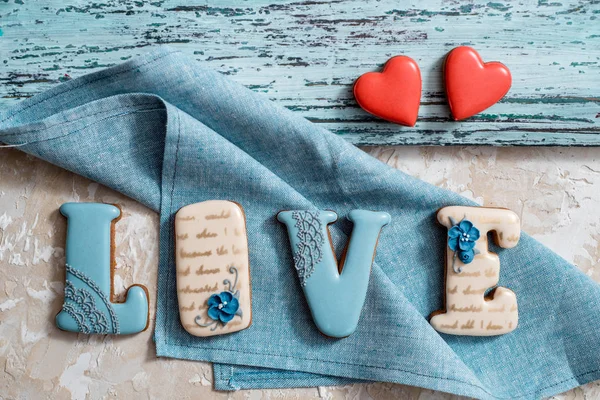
(305, 55)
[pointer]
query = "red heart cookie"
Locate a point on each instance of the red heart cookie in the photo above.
(472, 85)
(393, 94)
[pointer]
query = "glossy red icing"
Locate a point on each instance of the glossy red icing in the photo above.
(472, 85)
(393, 94)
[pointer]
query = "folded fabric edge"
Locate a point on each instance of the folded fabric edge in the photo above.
(333, 369)
(229, 377)
(334, 372)
(34, 103)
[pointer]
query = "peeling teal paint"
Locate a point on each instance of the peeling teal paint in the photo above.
(25, 56)
(306, 55)
(579, 64)
(545, 3)
(551, 100)
(499, 6)
(538, 117)
(55, 67)
(91, 65)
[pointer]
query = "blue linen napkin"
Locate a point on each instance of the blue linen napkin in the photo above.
(166, 132)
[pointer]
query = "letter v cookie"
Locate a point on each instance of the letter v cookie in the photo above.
(335, 292)
(88, 305)
(213, 272)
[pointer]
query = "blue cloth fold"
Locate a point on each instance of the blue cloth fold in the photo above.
(166, 132)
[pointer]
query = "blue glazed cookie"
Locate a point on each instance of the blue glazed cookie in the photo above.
(89, 306)
(335, 292)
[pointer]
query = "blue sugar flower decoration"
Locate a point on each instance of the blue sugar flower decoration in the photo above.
(461, 240)
(462, 236)
(466, 256)
(223, 307)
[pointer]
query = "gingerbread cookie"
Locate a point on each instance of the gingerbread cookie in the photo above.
(393, 94)
(472, 270)
(335, 292)
(472, 85)
(213, 272)
(89, 305)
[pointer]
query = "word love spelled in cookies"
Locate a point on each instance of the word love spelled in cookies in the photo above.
(335, 293)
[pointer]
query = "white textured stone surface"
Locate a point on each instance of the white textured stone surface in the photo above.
(554, 191)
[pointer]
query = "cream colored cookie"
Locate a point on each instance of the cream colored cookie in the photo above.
(468, 310)
(213, 272)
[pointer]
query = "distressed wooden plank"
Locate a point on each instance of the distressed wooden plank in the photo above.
(306, 55)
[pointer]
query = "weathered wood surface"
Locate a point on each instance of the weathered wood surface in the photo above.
(306, 55)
